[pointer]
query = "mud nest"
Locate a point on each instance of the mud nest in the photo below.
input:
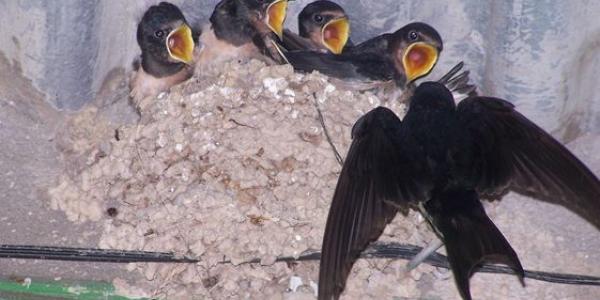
(231, 165)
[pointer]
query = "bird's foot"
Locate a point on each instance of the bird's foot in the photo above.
(424, 254)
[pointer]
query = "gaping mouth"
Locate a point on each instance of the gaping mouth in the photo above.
(335, 34)
(276, 13)
(418, 60)
(180, 44)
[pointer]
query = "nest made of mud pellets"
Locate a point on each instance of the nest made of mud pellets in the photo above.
(232, 164)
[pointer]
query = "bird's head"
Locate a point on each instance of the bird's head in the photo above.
(325, 23)
(164, 34)
(416, 49)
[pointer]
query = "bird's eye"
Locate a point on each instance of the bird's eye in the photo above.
(318, 18)
(159, 34)
(413, 35)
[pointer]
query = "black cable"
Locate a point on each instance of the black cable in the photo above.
(89, 255)
(376, 250)
(394, 251)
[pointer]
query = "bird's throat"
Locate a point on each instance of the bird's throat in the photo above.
(159, 69)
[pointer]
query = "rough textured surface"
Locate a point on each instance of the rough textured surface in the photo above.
(30, 160)
(233, 165)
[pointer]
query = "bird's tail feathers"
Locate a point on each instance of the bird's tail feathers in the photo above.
(470, 237)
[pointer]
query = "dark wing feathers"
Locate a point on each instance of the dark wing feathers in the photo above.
(517, 154)
(294, 42)
(329, 64)
(373, 181)
(451, 74)
(366, 61)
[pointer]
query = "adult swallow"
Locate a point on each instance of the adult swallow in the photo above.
(167, 44)
(243, 29)
(442, 158)
(323, 26)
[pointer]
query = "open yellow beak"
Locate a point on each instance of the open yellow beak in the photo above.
(335, 34)
(180, 44)
(276, 13)
(418, 60)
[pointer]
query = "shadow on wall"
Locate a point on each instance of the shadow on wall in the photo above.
(581, 110)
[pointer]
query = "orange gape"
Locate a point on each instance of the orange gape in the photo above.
(180, 44)
(418, 60)
(335, 34)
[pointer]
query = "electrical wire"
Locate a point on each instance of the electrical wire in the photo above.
(374, 251)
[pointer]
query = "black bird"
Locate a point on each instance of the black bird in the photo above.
(243, 29)
(167, 45)
(441, 159)
(403, 56)
(322, 26)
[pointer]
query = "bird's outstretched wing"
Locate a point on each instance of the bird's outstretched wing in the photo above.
(377, 176)
(508, 151)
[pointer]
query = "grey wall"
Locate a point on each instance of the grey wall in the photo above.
(543, 55)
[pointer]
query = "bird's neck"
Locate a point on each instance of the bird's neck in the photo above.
(159, 69)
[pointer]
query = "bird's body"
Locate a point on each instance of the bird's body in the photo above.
(442, 158)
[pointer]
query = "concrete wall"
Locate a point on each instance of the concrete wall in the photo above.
(544, 55)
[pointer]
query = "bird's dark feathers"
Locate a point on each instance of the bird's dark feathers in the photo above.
(459, 82)
(236, 21)
(230, 22)
(366, 196)
(155, 57)
(366, 61)
(515, 154)
(470, 237)
(372, 60)
(432, 96)
(294, 42)
(447, 157)
(157, 17)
